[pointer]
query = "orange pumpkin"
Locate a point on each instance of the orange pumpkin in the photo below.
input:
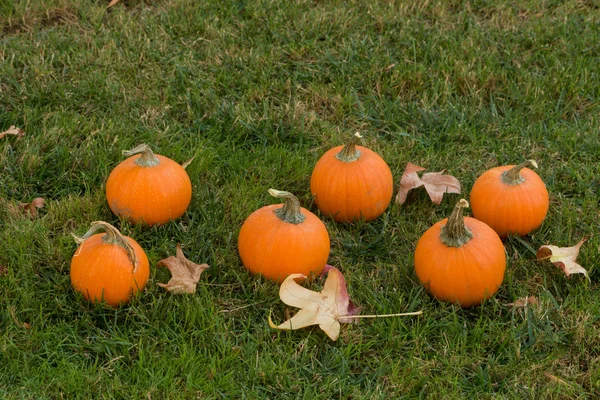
(148, 188)
(108, 267)
(352, 182)
(460, 260)
(510, 199)
(276, 241)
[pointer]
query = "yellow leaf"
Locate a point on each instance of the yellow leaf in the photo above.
(13, 130)
(564, 257)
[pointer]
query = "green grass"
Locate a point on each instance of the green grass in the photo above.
(258, 90)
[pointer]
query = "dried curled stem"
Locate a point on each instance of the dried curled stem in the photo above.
(290, 212)
(455, 233)
(147, 159)
(112, 236)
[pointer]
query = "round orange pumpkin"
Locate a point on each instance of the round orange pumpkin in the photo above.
(148, 188)
(276, 241)
(108, 267)
(510, 199)
(352, 182)
(460, 260)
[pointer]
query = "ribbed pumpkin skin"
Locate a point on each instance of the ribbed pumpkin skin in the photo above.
(152, 195)
(517, 209)
(103, 271)
(276, 249)
(349, 191)
(464, 275)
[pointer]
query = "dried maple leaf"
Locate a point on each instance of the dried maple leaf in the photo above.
(13, 130)
(32, 208)
(185, 274)
(435, 183)
(563, 257)
(327, 308)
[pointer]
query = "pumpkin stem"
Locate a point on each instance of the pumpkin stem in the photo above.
(455, 233)
(290, 212)
(350, 153)
(513, 176)
(113, 236)
(148, 159)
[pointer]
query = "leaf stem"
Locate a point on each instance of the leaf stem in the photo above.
(383, 315)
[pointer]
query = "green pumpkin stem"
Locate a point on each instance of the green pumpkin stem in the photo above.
(455, 233)
(148, 159)
(350, 153)
(290, 212)
(513, 176)
(112, 236)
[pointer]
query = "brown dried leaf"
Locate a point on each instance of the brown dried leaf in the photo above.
(185, 274)
(564, 257)
(3, 270)
(524, 302)
(32, 208)
(435, 183)
(112, 3)
(326, 308)
(13, 130)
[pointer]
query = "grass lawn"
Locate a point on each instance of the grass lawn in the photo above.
(258, 91)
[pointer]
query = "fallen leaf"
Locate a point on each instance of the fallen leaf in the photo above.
(188, 162)
(32, 208)
(13, 130)
(435, 183)
(3, 270)
(112, 3)
(563, 257)
(524, 302)
(185, 274)
(327, 308)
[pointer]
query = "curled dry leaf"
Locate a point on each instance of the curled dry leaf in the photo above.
(13, 130)
(524, 302)
(435, 183)
(564, 257)
(185, 274)
(32, 208)
(556, 379)
(327, 308)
